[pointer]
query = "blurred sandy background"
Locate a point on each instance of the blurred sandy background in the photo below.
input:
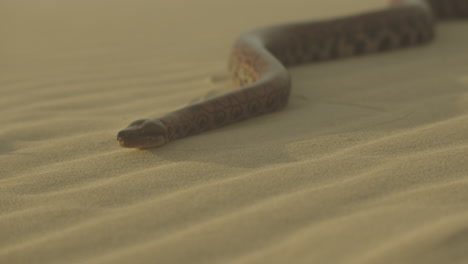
(368, 164)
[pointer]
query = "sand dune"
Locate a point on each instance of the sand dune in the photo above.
(368, 164)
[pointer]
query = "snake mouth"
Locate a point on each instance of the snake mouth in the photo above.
(128, 139)
(147, 135)
(122, 142)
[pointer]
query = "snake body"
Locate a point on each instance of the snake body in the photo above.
(259, 59)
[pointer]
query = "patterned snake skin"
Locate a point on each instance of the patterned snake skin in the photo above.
(259, 59)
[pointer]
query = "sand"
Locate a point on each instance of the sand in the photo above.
(368, 163)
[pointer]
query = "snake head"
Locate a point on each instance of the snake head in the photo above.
(144, 133)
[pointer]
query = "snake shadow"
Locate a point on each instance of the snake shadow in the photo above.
(224, 147)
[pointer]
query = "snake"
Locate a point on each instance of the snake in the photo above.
(260, 58)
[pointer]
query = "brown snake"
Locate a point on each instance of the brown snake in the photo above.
(259, 59)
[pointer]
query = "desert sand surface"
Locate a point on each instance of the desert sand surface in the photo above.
(367, 164)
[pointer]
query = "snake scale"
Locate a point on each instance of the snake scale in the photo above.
(259, 59)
